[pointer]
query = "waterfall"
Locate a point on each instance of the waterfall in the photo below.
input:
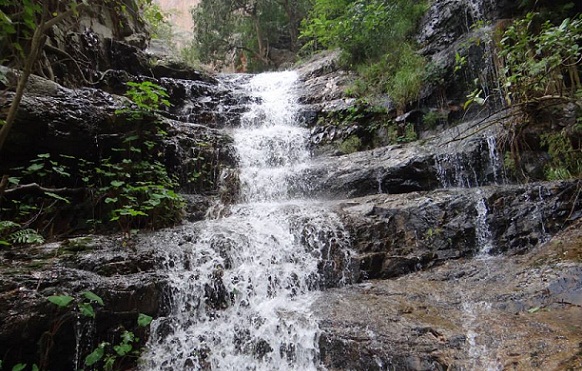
(483, 237)
(241, 286)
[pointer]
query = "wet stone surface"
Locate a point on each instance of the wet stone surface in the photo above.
(489, 313)
(120, 272)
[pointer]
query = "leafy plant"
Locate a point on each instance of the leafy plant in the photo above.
(540, 62)
(410, 134)
(106, 354)
(109, 354)
(154, 16)
(26, 236)
(9, 235)
(374, 37)
(36, 19)
(241, 33)
(537, 63)
(147, 96)
(433, 118)
(565, 161)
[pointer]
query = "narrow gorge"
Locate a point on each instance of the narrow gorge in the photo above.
(314, 231)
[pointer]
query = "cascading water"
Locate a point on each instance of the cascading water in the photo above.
(242, 285)
(482, 232)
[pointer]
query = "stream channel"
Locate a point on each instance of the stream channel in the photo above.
(242, 285)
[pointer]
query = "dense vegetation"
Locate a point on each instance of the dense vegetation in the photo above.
(55, 193)
(375, 38)
(245, 32)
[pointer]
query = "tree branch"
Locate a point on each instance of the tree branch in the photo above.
(35, 188)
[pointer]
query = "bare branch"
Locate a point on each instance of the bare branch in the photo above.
(35, 188)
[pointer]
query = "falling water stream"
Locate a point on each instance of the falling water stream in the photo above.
(241, 286)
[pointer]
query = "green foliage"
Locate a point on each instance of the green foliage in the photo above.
(62, 301)
(109, 354)
(143, 320)
(374, 37)
(154, 16)
(12, 233)
(242, 32)
(460, 61)
(96, 355)
(476, 96)
(541, 59)
(363, 30)
(106, 355)
(18, 20)
(433, 118)
(134, 193)
(404, 86)
(565, 160)
(350, 145)
(6, 226)
(410, 134)
(84, 304)
(130, 188)
(148, 98)
(26, 236)
(44, 169)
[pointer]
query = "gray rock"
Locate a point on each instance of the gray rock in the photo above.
(32, 329)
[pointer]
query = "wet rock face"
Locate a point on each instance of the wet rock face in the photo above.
(34, 330)
(490, 313)
(447, 20)
(86, 124)
(394, 235)
(104, 37)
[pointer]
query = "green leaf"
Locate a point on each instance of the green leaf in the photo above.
(35, 367)
(143, 320)
(87, 310)
(117, 183)
(131, 138)
(122, 349)
(8, 224)
(26, 236)
(34, 167)
(93, 297)
(109, 363)
(19, 367)
(56, 196)
(96, 355)
(533, 310)
(110, 200)
(61, 300)
(127, 337)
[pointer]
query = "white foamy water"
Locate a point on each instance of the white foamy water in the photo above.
(241, 286)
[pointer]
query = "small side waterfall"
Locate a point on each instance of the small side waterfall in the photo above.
(467, 169)
(241, 286)
(482, 233)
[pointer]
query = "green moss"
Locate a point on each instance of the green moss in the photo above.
(350, 145)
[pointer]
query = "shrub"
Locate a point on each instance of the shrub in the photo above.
(350, 145)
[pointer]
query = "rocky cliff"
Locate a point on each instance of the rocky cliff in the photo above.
(456, 266)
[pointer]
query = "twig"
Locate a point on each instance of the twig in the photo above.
(37, 189)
